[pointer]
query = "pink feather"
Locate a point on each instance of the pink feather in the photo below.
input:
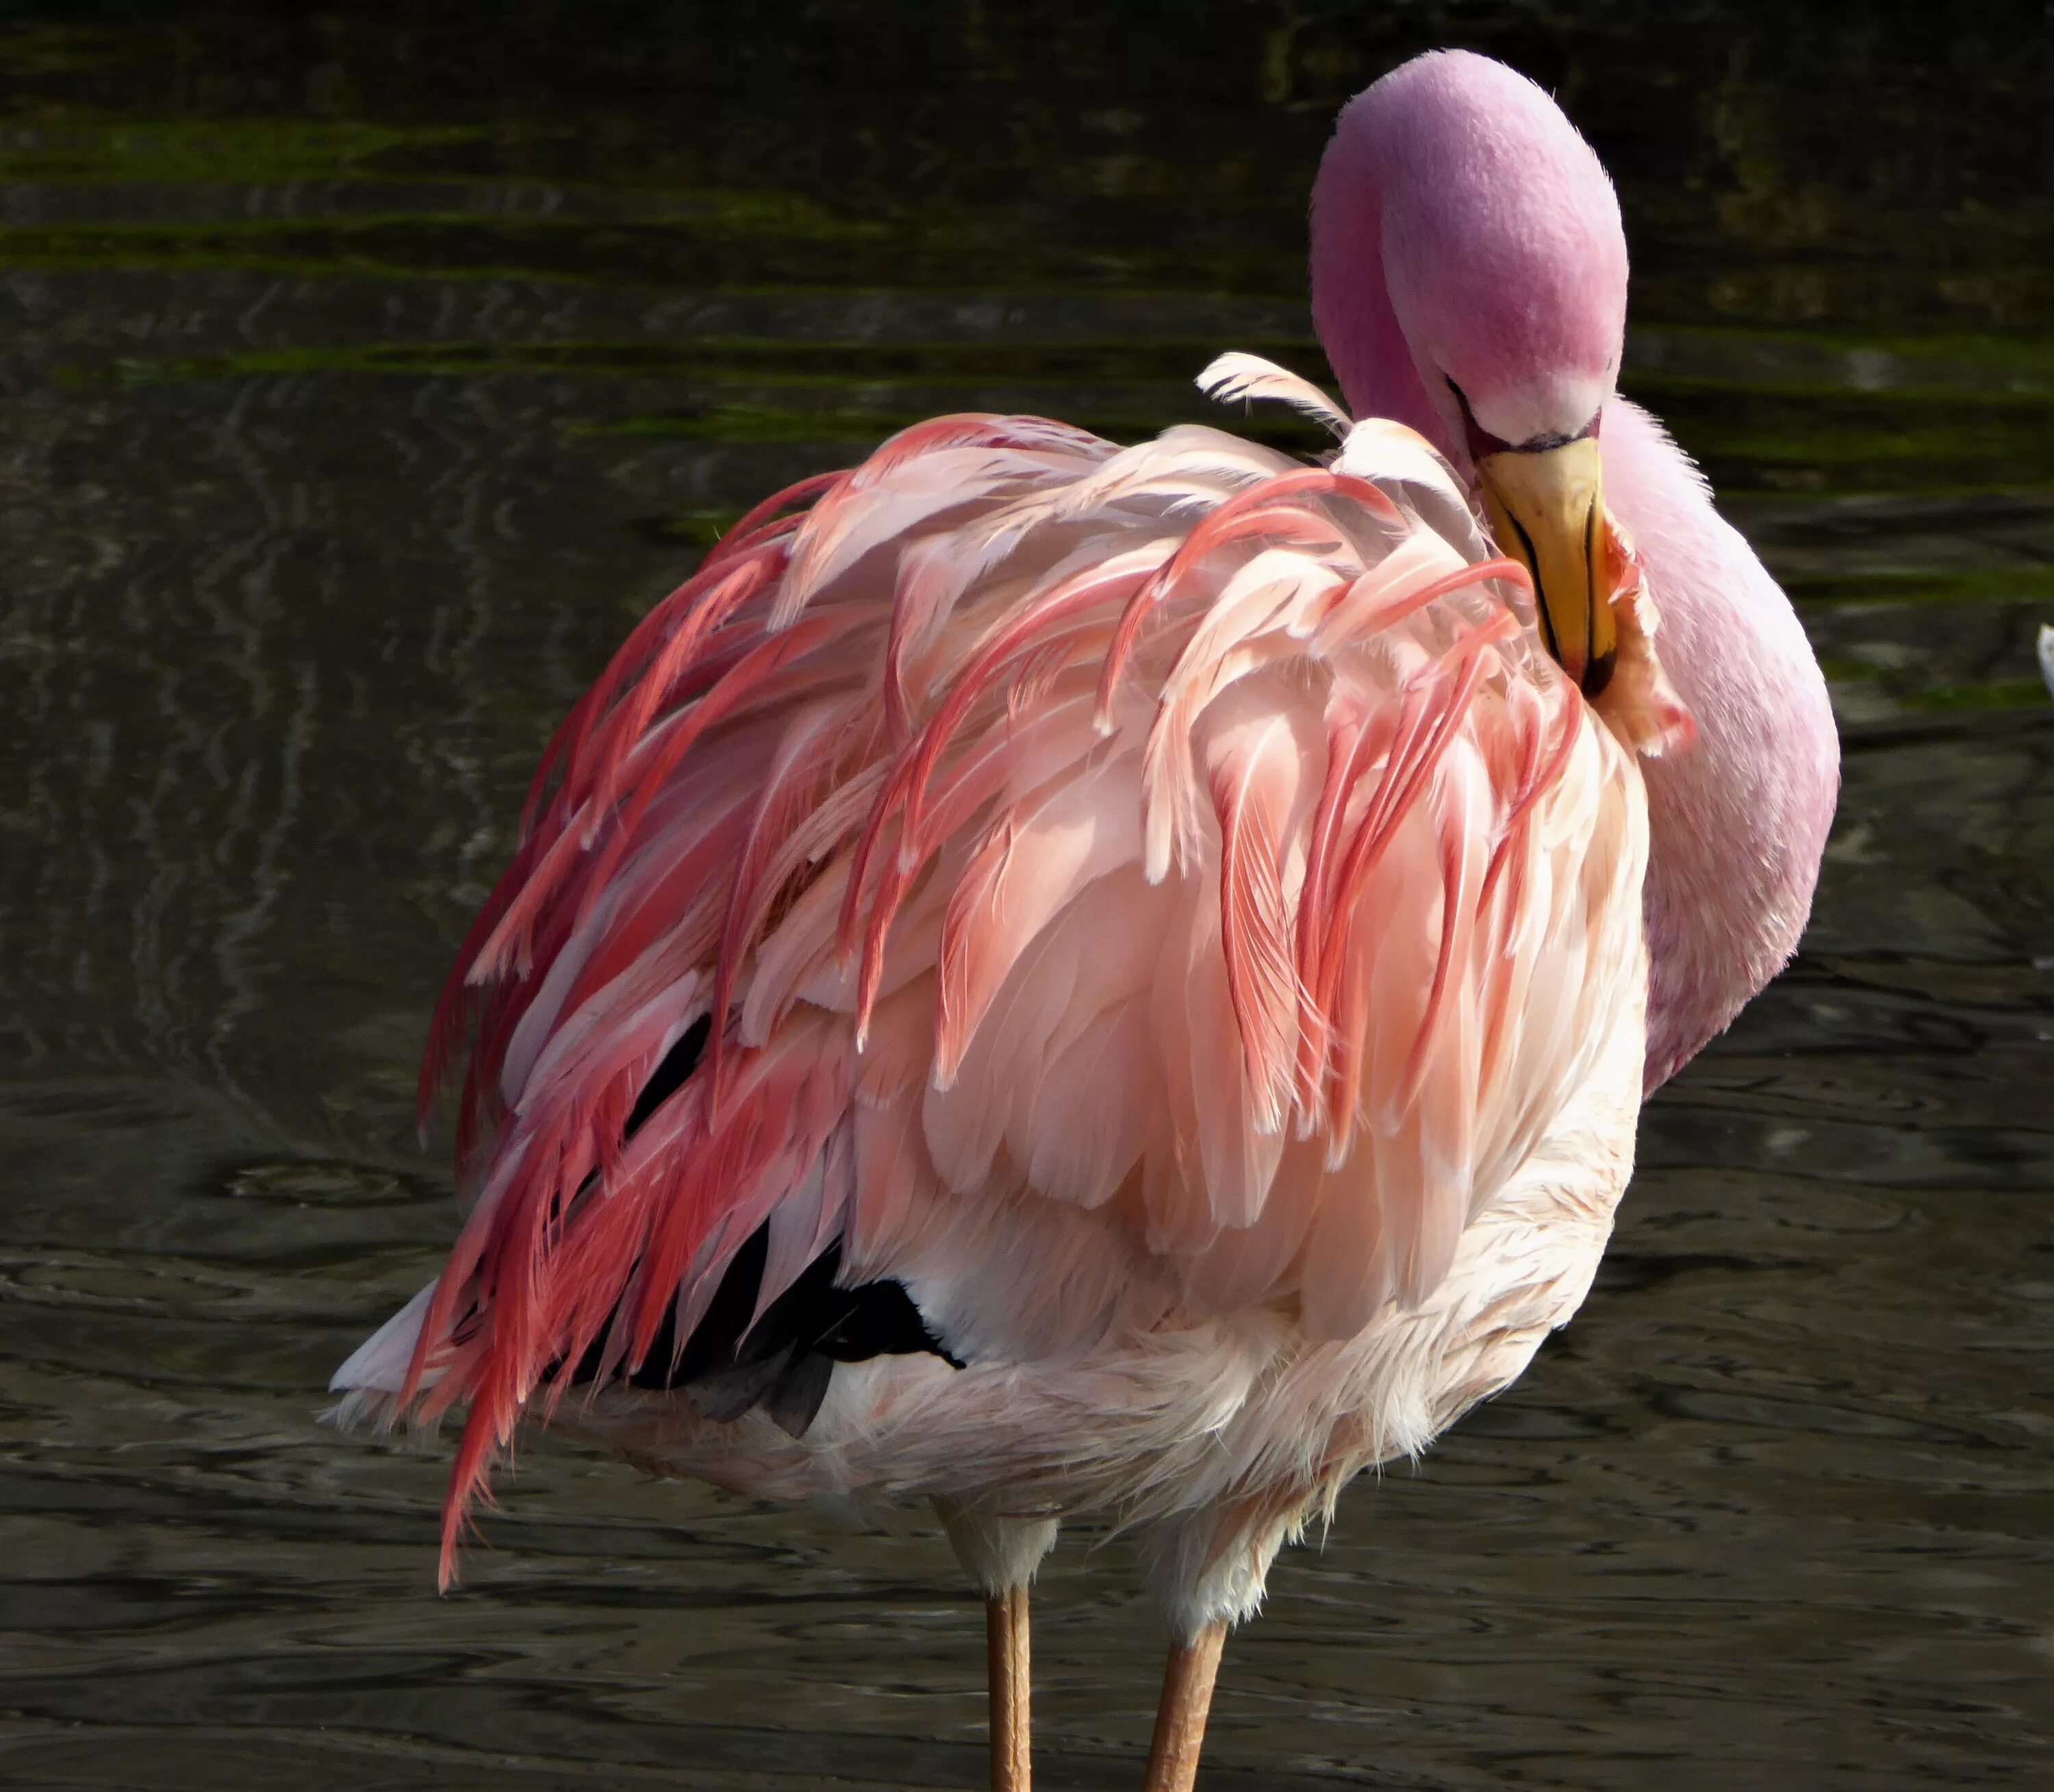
(936, 720)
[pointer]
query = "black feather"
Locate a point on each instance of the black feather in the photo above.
(786, 1361)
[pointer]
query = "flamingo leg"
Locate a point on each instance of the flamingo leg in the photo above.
(1000, 1554)
(1006, 1634)
(1180, 1718)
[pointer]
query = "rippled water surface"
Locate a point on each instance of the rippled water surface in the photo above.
(363, 377)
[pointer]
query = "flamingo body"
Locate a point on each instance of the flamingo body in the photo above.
(1158, 900)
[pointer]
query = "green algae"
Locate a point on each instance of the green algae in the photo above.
(1999, 693)
(84, 149)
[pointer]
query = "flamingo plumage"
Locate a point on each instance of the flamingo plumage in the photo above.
(1063, 979)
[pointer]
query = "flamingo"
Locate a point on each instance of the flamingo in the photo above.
(1063, 979)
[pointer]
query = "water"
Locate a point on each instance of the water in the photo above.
(362, 379)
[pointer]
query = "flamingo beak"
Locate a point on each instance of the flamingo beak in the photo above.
(1546, 507)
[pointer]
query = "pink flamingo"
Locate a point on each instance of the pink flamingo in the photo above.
(1063, 979)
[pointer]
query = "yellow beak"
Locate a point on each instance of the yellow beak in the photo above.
(1546, 507)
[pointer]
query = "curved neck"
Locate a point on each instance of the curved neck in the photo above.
(1351, 310)
(1737, 823)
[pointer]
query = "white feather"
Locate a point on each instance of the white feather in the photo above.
(1234, 376)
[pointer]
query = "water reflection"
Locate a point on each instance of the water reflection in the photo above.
(361, 384)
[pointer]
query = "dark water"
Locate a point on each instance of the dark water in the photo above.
(364, 375)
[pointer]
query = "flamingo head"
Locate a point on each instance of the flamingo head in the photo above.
(1502, 294)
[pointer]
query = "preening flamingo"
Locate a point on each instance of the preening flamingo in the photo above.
(1065, 979)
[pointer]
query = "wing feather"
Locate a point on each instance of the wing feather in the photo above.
(1120, 882)
(1234, 376)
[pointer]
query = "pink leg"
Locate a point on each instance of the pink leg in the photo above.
(1180, 1718)
(1006, 1633)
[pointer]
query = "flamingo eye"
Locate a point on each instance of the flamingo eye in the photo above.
(1481, 441)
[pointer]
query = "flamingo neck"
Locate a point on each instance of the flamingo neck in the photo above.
(1351, 308)
(1738, 822)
